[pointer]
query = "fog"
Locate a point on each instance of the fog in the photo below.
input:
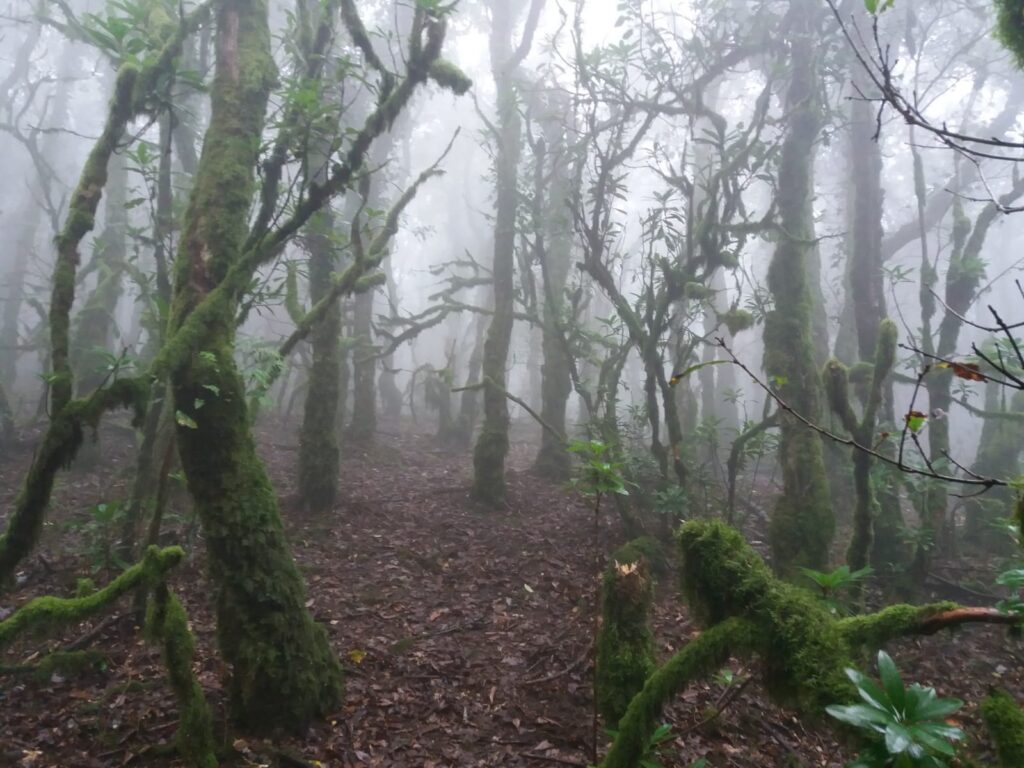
(496, 276)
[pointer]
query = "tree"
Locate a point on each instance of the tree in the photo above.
(492, 443)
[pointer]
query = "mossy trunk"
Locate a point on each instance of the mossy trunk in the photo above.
(469, 402)
(283, 672)
(1004, 720)
(625, 645)
(319, 452)
(556, 383)
(802, 524)
(96, 323)
(998, 455)
(364, 373)
(492, 443)
(963, 278)
(14, 294)
(157, 439)
(390, 394)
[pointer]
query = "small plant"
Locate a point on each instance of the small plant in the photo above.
(905, 726)
(672, 503)
(100, 532)
(598, 474)
(725, 677)
(834, 582)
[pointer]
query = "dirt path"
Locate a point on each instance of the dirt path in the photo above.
(465, 634)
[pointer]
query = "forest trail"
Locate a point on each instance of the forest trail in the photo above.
(465, 634)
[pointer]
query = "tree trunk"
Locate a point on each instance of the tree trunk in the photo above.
(556, 383)
(283, 672)
(364, 372)
(492, 444)
(319, 454)
(97, 320)
(802, 525)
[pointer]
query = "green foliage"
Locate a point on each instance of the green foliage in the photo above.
(100, 532)
(1005, 723)
(878, 6)
(832, 582)
(598, 473)
(1010, 27)
(904, 726)
(672, 503)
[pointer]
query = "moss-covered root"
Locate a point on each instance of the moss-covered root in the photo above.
(804, 651)
(167, 623)
(1005, 722)
(625, 646)
(701, 657)
(46, 613)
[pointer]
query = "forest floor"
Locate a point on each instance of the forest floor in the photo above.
(465, 633)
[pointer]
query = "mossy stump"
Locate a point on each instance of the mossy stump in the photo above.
(625, 645)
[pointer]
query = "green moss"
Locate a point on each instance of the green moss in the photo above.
(625, 646)
(167, 624)
(319, 453)
(737, 320)
(803, 650)
(802, 524)
(875, 629)
(44, 614)
(449, 76)
(701, 657)
(66, 664)
(647, 548)
(1005, 722)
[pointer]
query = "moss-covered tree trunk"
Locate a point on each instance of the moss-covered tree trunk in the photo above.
(556, 383)
(318, 439)
(96, 323)
(998, 455)
(866, 299)
(390, 394)
(963, 278)
(283, 672)
(492, 444)
(364, 372)
(802, 524)
(469, 401)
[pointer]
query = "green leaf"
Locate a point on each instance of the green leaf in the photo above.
(891, 681)
(185, 420)
(858, 715)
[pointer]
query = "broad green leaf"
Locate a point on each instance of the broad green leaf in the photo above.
(891, 681)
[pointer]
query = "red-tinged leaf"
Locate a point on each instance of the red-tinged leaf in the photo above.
(915, 421)
(969, 371)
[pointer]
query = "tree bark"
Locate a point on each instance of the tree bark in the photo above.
(802, 524)
(283, 670)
